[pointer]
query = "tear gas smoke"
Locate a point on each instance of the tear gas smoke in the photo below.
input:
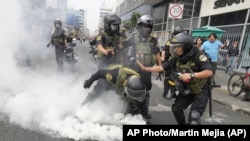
(38, 99)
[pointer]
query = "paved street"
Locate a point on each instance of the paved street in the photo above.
(226, 109)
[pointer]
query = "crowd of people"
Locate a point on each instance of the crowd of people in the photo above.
(126, 65)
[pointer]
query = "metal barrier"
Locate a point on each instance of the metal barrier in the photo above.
(222, 57)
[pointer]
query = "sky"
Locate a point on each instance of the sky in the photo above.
(93, 10)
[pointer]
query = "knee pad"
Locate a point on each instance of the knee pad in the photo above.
(194, 117)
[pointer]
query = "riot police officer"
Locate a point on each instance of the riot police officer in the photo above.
(165, 55)
(195, 70)
(107, 43)
(59, 40)
(108, 40)
(125, 81)
(144, 48)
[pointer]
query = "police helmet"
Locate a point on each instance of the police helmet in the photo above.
(183, 40)
(145, 21)
(57, 23)
(135, 88)
(112, 23)
(177, 30)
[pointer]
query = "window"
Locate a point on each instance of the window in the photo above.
(229, 18)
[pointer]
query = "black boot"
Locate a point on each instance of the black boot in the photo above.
(145, 107)
(166, 89)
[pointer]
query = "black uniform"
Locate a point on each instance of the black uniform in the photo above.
(108, 41)
(107, 75)
(166, 49)
(58, 39)
(197, 61)
(125, 81)
(146, 76)
(166, 73)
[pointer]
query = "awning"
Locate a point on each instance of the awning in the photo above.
(206, 30)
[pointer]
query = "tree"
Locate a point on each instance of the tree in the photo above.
(133, 18)
(131, 23)
(127, 25)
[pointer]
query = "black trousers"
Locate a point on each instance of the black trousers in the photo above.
(198, 103)
(59, 50)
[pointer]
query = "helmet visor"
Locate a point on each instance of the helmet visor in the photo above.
(57, 25)
(172, 48)
(137, 95)
(115, 27)
(145, 30)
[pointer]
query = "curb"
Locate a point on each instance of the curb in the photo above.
(230, 105)
(233, 107)
(217, 99)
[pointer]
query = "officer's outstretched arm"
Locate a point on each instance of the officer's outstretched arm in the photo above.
(163, 53)
(93, 78)
(154, 69)
(158, 58)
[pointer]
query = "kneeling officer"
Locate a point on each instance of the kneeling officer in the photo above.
(125, 81)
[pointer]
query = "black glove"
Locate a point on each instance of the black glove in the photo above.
(87, 84)
(109, 53)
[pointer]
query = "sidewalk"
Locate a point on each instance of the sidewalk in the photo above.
(221, 95)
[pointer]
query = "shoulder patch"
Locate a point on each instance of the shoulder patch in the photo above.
(203, 57)
(108, 76)
(99, 38)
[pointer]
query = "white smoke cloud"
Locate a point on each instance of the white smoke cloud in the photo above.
(38, 99)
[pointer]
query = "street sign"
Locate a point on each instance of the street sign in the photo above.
(175, 11)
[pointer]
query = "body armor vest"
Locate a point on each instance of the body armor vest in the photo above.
(123, 74)
(195, 85)
(57, 38)
(143, 51)
(110, 42)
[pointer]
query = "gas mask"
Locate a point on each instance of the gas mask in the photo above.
(57, 25)
(144, 30)
(114, 28)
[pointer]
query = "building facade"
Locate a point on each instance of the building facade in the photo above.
(124, 8)
(232, 17)
(60, 6)
(103, 12)
(164, 25)
(34, 18)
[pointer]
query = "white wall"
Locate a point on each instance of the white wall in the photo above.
(207, 7)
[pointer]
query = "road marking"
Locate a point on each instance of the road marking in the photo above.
(160, 108)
